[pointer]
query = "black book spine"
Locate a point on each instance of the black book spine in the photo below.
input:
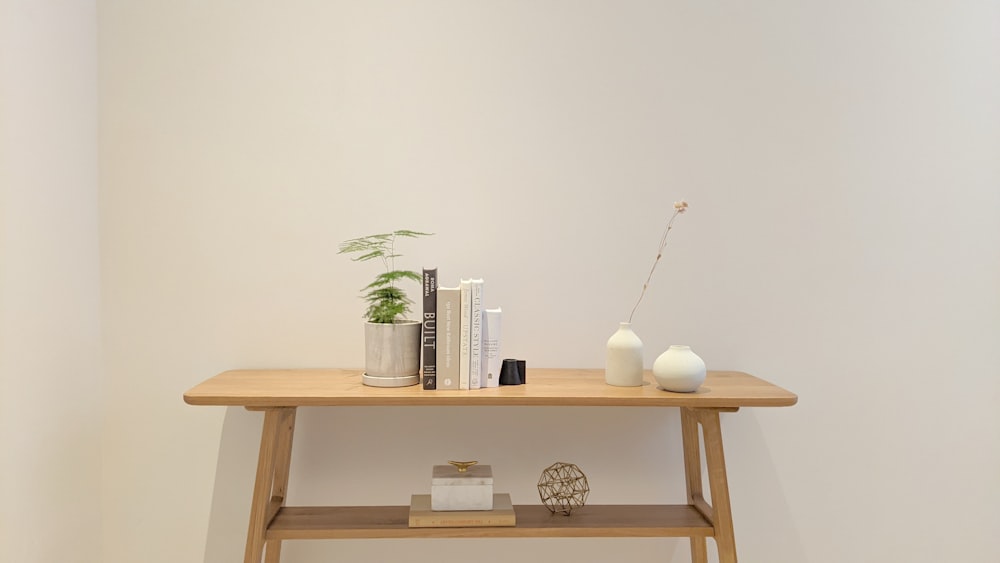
(430, 328)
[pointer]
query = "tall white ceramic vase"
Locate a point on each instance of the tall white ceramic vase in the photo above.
(623, 367)
(679, 369)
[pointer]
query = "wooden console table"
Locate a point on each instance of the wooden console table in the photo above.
(279, 392)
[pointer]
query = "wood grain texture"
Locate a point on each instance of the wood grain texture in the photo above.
(279, 487)
(279, 392)
(269, 445)
(532, 521)
(692, 476)
(547, 387)
(715, 464)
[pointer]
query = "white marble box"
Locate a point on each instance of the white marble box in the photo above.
(471, 489)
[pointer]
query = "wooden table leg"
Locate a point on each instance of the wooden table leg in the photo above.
(279, 493)
(272, 471)
(715, 461)
(719, 513)
(692, 475)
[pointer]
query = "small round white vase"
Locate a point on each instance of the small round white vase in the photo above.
(679, 369)
(623, 367)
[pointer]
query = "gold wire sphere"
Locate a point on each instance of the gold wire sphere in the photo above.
(563, 487)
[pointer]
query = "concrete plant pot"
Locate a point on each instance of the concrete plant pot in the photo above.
(392, 354)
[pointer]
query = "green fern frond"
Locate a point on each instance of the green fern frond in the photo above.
(386, 301)
(411, 234)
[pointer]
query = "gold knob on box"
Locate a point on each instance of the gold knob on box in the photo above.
(463, 466)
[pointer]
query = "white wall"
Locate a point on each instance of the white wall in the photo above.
(841, 164)
(50, 369)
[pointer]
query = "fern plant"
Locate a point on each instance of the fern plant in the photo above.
(386, 300)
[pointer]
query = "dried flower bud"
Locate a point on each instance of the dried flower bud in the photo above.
(679, 207)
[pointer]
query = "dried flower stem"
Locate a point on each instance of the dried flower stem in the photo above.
(679, 207)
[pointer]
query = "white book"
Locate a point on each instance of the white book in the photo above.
(491, 347)
(476, 335)
(463, 350)
(449, 304)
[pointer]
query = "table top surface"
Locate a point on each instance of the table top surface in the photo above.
(544, 387)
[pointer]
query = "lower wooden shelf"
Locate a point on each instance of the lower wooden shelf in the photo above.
(635, 520)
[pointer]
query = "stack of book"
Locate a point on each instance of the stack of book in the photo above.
(461, 337)
(422, 516)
